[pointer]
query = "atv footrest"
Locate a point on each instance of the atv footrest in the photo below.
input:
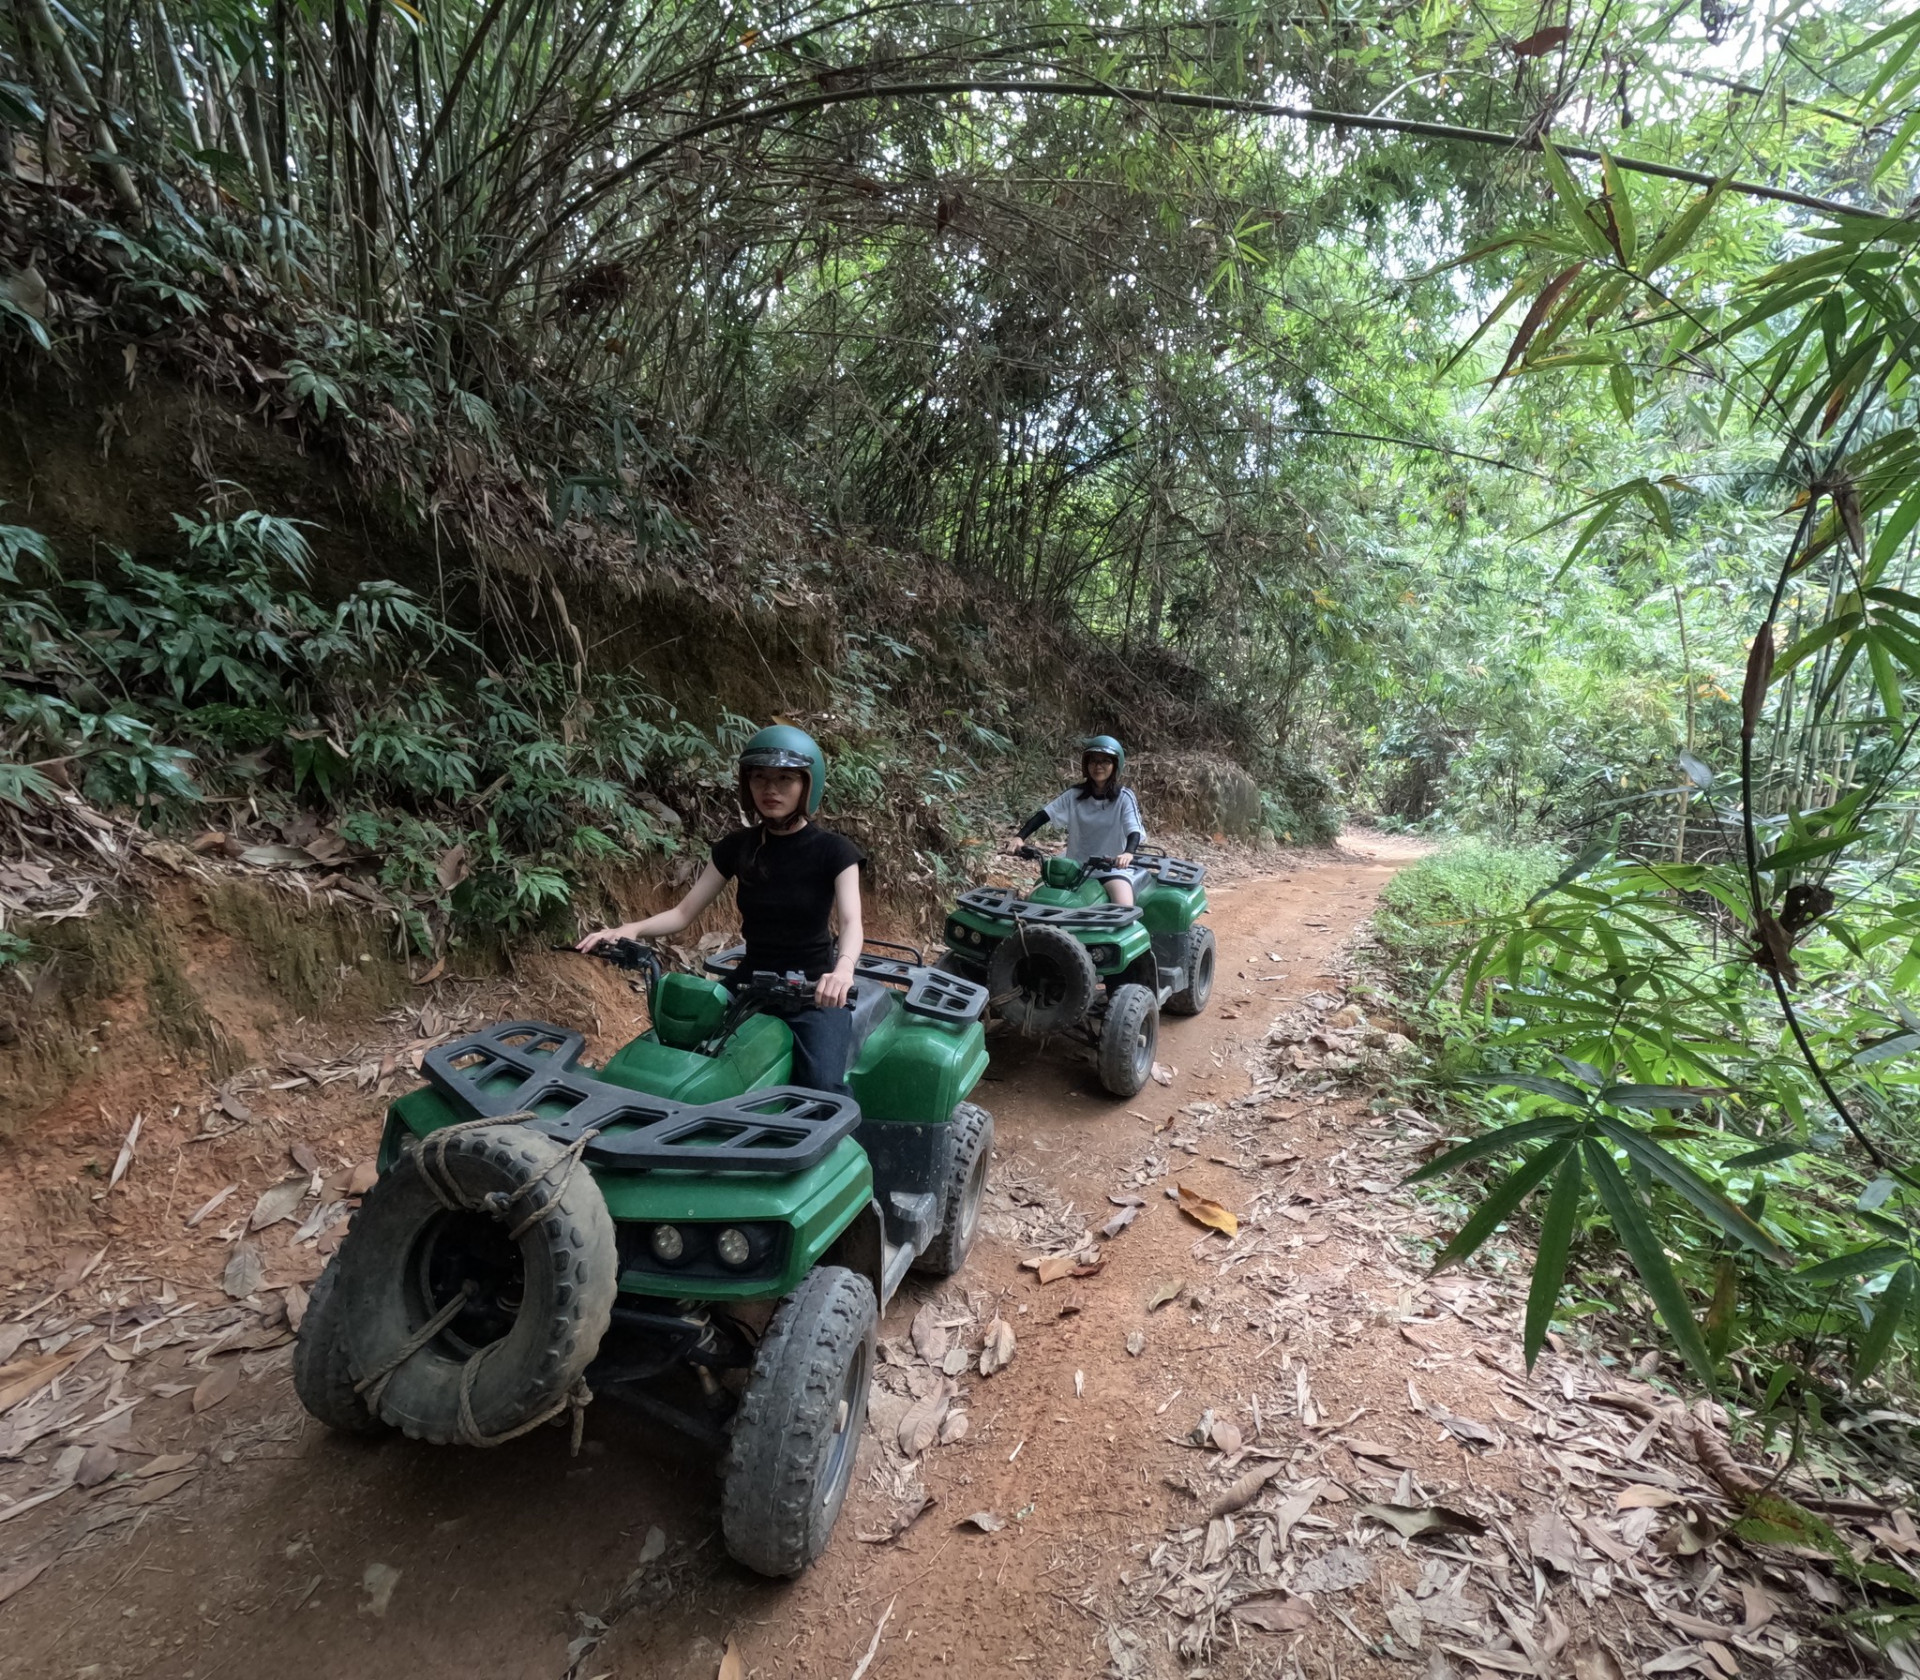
(1005, 905)
(1171, 871)
(527, 1067)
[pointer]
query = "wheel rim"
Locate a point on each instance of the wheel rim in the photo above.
(467, 1250)
(970, 1199)
(1042, 982)
(838, 1470)
(1205, 976)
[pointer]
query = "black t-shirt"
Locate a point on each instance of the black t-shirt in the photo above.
(784, 883)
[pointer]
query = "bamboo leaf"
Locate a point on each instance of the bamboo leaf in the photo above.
(1888, 1313)
(1551, 1253)
(1574, 200)
(1649, 1259)
(1619, 202)
(1718, 1207)
(1491, 1143)
(1875, 1257)
(1500, 1203)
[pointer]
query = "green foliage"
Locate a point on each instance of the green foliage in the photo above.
(481, 800)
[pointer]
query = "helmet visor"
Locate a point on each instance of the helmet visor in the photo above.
(775, 758)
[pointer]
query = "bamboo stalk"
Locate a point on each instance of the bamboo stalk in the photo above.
(112, 170)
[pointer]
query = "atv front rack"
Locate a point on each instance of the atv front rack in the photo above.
(1006, 905)
(931, 992)
(1170, 871)
(527, 1067)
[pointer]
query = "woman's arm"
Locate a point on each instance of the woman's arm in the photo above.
(832, 987)
(1034, 824)
(702, 893)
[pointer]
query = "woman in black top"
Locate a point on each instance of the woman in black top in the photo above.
(789, 875)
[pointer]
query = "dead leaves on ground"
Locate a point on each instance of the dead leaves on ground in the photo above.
(1208, 1212)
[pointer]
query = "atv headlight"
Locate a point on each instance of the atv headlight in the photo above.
(1103, 955)
(733, 1247)
(667, 1243)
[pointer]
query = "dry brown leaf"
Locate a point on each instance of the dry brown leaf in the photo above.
(363, 1176)
(21, 1577)
(903, 1519)
(1414, 1521)
(217, 1385)
(997, 1354)
(1136, 1343)
(1334, 1571)
(1674, 1661)
(1552, 1541)
(1246, 1489)
(161, 1487)
(1760, 1607)
(1207, 1211)
(245, 1272)
(97, 1463)
(921, 1426)
(209, 1205)
(1505, 1662)
(277, 1203)
(26, 1377)
(1219, 1541)
(929, 1335)
(733, 1666)
(1274, 1613)
(1167, 1289)
(985, 1521)
(1162, 1074)
(1295, 1506)
(954, 1429)
(1642, 1497)
(1226, 1436)
(1053, 1267)
(1120, 1221)
(166, 1464)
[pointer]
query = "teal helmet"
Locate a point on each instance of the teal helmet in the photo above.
(1108, 745)
(782, 747)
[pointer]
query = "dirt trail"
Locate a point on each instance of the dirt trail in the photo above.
(294, 1552)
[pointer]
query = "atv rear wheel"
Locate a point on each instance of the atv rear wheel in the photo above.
(799, 1423)
(322, 1375)
(1128, 1038)
(1041, 979)
(961, 1192)
(1192, 997)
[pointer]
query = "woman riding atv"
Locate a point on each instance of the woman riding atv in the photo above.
(790, 874)
(1101, 816)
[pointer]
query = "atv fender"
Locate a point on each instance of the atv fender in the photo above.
(862, 1248)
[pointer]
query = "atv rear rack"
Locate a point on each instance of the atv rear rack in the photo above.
(527, 1067)
(1005, 905)
(931, 992)
(1171, 871)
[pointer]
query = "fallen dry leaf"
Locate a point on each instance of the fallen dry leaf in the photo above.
(903, 1519)
(245, 1272)
(1207, 1211)
(1167, 1289)
(161, 1487)
(1505, 1662)
(985, 1521)
(1593, 1661)
(997, 1354)
(1136, 1343)
(1760, 1607)
(166, 1464)
(1334, 1571)
(1246, 1489)
(1120, 1221)
(277, 1203)
(1053, 1267)
(954, 1429)
(1414, 1521)
(1642, 1497)
(1226, 1436)
(929, 1335)
(921, 1425)
(21, 1576)
(209, 1205)
(26, 1377)
(1162, 1074)
(733, 1666)
(363, 1176)
(217, 1385)
(127, 1149)
(1552, 1541)
(1274, 1613)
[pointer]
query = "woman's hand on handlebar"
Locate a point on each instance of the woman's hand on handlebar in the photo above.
(625, 930)
(831, 989)
(1123, 860)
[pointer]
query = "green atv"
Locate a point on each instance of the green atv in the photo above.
(1065, 959)
(680, 1228)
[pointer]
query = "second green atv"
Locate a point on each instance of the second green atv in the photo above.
(680, 1228)
(1066, 959)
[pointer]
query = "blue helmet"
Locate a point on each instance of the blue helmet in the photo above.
(780, 746)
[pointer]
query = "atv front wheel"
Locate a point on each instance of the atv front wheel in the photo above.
(799, 1423)
(1042, 979)
(961, 1193)
(1128, 1038)
(322, 1376)
(1192, 997)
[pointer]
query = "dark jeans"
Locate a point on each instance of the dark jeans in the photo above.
(822, 1047)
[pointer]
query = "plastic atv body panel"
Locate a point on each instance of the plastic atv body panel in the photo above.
(707, 1141)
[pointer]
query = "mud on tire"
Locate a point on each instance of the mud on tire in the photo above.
(961, 1191)
(322, 1373)
(543, 1301)
(1192, 998)
(1042, 979)
(1128, 1038)
(799, 1424)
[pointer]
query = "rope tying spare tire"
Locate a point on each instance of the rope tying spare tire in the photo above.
(432, 1162)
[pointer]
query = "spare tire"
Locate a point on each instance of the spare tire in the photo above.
(1041, 979)
(539, 1290)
